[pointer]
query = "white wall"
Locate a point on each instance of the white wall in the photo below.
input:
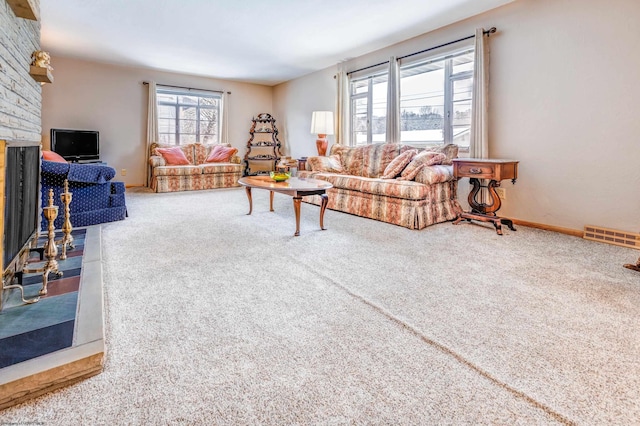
(296, 100)
(563, 101)
(113, 100)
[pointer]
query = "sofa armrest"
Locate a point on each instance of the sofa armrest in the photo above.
(307, 164)
(435, 174)
(90, 173)
(55, 168)
(325, 164)
(156, 160)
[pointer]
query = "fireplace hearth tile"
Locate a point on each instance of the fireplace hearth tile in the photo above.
(30, 280)
(47, 312)
(60, 339)
(36, 343)
(58, 306)
(64, 285)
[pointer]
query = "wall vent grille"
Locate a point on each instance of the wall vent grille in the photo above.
(612, 236)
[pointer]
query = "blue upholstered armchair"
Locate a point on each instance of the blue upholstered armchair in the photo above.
(95, 198)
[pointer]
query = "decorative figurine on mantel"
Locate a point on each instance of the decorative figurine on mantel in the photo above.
(41, 68)
(41, 59)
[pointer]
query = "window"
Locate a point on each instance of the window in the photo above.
(369, 109)
(186, 116)
(435, 100)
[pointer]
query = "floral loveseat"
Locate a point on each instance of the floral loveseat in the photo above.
(198, 174)
(425, 196)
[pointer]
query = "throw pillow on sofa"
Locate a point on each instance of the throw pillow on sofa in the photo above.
(423, 159)
(173, 156)
(221, 154)
(397, 165)
(53, 156)
(329, 164)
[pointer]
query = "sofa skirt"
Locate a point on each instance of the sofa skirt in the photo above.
(195, 182)
(87, 218)
(440, 206)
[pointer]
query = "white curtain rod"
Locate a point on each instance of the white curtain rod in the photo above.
(486, 32)
(187, 88)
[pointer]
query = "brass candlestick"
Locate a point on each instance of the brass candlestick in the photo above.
(50, 249)
(67, 239)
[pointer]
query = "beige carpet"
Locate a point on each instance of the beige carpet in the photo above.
(216, 317)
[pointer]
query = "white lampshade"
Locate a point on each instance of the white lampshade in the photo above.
(322, 122)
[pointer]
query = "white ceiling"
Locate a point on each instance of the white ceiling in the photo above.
(264, 42)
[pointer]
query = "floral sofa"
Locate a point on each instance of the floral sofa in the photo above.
(425, 196)
(198, 174)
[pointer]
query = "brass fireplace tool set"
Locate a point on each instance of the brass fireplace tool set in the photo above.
(67, 239)
(50, 245)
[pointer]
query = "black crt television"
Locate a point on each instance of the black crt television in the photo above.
(76, 145)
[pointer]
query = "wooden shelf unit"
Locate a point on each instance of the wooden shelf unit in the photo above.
(263, 146)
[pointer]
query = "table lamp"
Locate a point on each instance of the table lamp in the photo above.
(322, 125)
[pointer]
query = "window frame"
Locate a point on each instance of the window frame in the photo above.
(370, 76)
(448, 84)
(198, 106)
(447, 56)
(450, 115)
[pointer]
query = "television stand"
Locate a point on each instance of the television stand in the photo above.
(89, 162)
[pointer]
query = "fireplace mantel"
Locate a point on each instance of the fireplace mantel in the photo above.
(24, 9)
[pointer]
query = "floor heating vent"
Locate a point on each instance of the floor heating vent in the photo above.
(611, 236)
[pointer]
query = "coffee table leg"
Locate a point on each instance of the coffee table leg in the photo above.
(270, 201)
(296, 209)
(323, 207)
(248, 190)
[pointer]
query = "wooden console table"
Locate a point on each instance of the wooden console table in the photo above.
(493, 170)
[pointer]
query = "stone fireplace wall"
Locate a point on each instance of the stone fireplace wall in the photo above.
(20, 98)
(20, 94)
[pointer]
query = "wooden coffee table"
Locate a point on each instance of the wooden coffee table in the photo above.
(295, 187)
